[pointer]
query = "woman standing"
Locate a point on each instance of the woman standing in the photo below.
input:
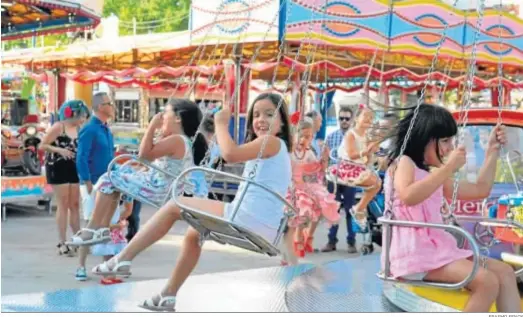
(60, 144)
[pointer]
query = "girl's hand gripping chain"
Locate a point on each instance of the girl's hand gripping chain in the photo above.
(498, 138)
(457, 158)
(222, 116)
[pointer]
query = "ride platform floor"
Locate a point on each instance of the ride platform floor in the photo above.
(341, 286)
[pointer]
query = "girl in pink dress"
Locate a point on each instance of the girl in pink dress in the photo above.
(422, 178)
(309, 194)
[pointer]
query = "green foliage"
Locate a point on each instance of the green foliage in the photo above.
(152, 16)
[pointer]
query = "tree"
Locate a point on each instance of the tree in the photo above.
(152, 16)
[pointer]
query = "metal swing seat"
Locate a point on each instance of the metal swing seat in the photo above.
(332, 172)
(226, 231)
(147, 192)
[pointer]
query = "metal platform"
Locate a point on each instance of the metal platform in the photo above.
(340, 286)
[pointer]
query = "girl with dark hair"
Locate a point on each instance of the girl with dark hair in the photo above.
(258, 211)
(423, 177)
(173, 152)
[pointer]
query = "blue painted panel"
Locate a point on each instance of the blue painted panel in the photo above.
(243, 118)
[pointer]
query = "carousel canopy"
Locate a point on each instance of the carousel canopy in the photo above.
(330, 39)
(26, 18)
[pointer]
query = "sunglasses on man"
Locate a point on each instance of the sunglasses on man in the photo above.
(344, 118)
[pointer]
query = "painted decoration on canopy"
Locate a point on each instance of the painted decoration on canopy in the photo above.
(227, 21)
(412, 27)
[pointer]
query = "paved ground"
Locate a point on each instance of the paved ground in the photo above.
(30, 262)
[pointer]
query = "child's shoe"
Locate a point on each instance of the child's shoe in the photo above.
(81, 274)
(308, 245)
(110, 281)
(299, 249)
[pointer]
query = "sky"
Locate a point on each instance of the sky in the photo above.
(472, 4)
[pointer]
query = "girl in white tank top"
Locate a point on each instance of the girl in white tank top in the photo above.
(356, 148)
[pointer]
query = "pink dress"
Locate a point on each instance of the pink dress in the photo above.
(311, 198)
(420, 250)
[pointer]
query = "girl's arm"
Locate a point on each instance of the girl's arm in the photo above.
(324, 156)
(413, 192)
(481, 189)
(170, 146)
(234, 153)
(354, 151)
(50, 137)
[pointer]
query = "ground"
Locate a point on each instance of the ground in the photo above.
(30, 263)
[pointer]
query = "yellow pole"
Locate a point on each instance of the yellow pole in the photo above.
(84, 93)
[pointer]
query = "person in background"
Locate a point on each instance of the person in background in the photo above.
(60, 144)
(317, 144)
(345, 195)
(95, 152)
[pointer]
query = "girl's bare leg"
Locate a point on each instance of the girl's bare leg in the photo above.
(191, 248)
(288, 248)
(74, 207)
(158, 226)
(369, 194)
(508, 300)
(312, 229)
(484, 289)
(62, 200)
(104, 208)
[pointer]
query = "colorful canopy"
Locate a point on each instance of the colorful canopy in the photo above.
(26, 18)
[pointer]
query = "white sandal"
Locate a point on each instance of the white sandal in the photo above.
(101, 235)
(104, 270)
(165, 304)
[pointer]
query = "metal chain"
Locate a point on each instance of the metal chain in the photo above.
(388, 210)
(191, 61)
(467, 104)
(194, 77)
(255, 55)
(252, 174)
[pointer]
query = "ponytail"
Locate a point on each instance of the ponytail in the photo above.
(199, 148)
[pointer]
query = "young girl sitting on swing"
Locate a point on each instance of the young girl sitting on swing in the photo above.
(357, 157)
(259, 210)
(173, 152)
(423, 177)
(309, 194)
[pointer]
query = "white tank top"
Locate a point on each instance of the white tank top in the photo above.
(361, 145)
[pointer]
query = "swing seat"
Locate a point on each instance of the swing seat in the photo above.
(141, 186)
(347, 173)
(226, 231)
(457, 231)
(510, 207)
(224, 185)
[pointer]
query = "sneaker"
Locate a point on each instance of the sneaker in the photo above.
(351, 248)
(81, 274)
(329, 248)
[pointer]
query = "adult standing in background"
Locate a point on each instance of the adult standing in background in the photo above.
(95, 144)
(344, 194)
(95, 152)
(60, 144)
